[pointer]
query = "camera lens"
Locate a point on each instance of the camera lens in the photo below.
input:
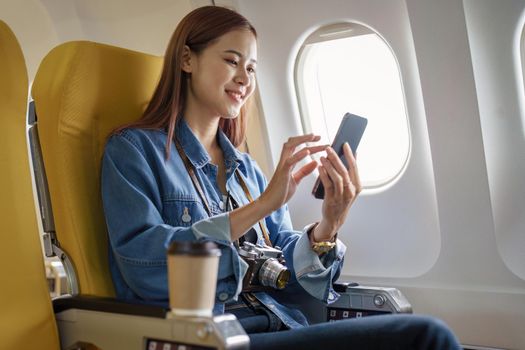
(273, 274)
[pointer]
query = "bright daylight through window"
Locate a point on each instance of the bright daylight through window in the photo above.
(349, 68)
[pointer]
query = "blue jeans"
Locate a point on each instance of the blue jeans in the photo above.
(374, 332)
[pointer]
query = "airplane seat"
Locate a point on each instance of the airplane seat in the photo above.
(27, 320)
(82, 91)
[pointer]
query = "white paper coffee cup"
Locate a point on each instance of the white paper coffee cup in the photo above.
(192, 277)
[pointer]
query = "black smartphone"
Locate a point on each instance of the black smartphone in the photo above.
(350, 130)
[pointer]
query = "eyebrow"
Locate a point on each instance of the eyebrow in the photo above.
(239, 54)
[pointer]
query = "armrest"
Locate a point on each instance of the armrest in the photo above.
(107, 323)
(341, 287)
(110, 305)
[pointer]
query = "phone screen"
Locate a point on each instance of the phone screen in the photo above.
(350, 130)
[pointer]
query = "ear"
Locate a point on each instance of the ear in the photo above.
(186, 59)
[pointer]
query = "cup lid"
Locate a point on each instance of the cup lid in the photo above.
(201, 248)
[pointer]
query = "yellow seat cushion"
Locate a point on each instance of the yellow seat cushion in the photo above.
(26, 315)
(82, 91)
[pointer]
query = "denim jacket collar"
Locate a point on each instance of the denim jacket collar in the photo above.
(196, 152)
(232, 156)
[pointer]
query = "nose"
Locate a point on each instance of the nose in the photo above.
(242, 77)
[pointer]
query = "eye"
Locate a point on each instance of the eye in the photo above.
(232, 62)
(251, 70)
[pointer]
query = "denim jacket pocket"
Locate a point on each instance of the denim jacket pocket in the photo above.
(182, 211)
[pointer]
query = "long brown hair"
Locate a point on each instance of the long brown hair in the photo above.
(198, 29)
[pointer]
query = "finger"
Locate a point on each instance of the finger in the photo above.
(297, 157)
(327, 183)
(337, 180)
(290, 145)
(338, 165)
(317, 149)
(352, 167)
(304, 171)
(300, 155)
(297, 140)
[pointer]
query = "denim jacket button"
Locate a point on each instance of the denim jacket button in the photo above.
(186, 217)
(221, 205)
(223, 296)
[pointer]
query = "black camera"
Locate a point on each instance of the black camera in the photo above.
(266, 268)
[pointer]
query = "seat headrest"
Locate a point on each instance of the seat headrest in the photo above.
(82, 91)
(13, 89)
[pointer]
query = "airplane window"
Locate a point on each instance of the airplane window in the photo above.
(349, 68)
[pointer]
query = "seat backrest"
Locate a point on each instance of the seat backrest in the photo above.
(82, 91)
(26, 315)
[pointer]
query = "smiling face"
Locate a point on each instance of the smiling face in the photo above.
(222, 76)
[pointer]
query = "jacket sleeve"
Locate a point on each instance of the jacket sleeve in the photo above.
(312, 273)
(138, 235)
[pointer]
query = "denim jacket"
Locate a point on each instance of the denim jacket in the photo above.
(150, 202)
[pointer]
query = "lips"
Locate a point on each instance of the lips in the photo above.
(237, 96)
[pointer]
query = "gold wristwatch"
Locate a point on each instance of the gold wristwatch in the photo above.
(322, 247)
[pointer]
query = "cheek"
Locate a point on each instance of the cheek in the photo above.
(251, 89)
(220, 75)
(213, 77)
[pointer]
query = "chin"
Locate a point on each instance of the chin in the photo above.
(231, 114)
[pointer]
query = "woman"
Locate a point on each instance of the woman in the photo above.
(173, 175)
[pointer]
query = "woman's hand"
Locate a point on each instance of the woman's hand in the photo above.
(284, 181)
(341, 187)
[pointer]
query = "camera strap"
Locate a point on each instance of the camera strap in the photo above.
(194, 179)
(197, 185)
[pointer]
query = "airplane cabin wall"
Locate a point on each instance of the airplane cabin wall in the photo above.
(415, 246)
(137, 25)
(495, 37)
(469, 283)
